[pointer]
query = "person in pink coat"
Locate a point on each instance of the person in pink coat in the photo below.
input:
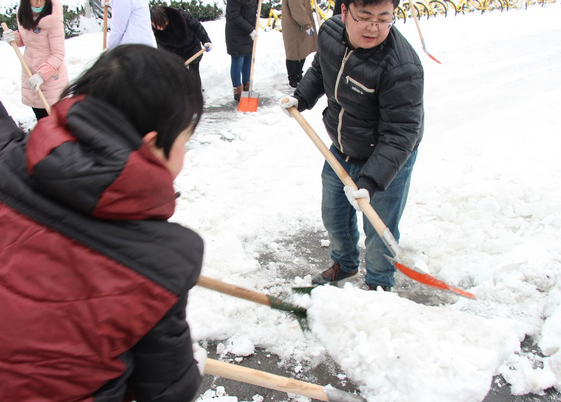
(41, 31)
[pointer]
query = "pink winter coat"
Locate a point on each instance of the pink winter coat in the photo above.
(44, 54)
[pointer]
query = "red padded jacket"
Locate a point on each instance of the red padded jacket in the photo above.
(93, 279)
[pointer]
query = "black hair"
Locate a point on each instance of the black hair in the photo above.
(159, 16)
(151, 87)
(370, 2)
(25, 14)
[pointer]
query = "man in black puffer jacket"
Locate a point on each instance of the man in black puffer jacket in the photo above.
(374, 82)
(179, 32)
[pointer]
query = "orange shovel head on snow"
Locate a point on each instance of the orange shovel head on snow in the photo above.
(248, 101)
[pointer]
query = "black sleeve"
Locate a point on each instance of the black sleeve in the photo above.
(164, 367)
(310, 89)
(8, 127)
(196, 27)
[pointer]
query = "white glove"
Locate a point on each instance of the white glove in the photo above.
(353, 195)
(9, 36)
(208, 46)
(253, 34)
(310, 31)
(107, 4)
(286, 103)
(35, 81)
(200, 357)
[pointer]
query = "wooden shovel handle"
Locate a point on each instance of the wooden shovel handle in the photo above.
(27, 70)
(195, 56)
(264, 379)
(382, 230)
(234, 290)
(105, 15)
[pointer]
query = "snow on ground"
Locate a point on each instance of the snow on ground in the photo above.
(483, 212)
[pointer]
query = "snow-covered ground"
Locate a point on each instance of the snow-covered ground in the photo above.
(483, 212)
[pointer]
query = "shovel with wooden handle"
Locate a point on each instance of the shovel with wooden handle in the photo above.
(252, 295)
(190, 60)
(418, 25)
(27, 70)
(249, 99)
(278, 383)
(385, 234)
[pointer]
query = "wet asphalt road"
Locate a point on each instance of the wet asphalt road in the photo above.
(308, 247)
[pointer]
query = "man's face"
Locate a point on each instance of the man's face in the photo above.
(367, 26)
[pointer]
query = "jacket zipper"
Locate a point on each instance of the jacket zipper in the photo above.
(339, 123)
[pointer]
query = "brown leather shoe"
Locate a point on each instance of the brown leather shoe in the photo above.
(332, 274)
(246, 86)
(237, 92)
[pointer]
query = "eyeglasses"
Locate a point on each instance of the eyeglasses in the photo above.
(378, 24)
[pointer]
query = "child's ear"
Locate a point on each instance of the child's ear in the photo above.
(150, 140)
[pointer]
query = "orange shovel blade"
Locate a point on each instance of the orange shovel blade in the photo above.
(429, 280)
(248, 102)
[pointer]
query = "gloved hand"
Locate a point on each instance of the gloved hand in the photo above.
(253, 34)
(286, 103)
(200, 355)
(35, 81)
(353, 195)
(107, 4)
(9, 36)
(310, 31)
(208, 46)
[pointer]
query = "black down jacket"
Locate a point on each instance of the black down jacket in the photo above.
(183, 35)
(375, 100)
(241, 16)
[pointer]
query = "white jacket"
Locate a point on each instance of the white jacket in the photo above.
(130, 23)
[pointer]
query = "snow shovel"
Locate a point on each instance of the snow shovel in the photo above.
(204, 49)
(253, 296)
(278, 383)
(387, 237)
(28, 71)
(250, 98)
(418, 25)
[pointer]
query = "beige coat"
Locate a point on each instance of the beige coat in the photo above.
(297, 16)
(44, 54)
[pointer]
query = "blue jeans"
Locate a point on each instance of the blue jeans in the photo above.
(240, 67)
(339, 218)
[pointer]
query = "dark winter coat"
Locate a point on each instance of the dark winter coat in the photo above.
(93, 279)
(184, 35)
(241, 17)
(375, 100)
(297, 16)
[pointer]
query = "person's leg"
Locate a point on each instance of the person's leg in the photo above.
(236, 70)
(246, 72)
(389, 205)
(40, 113)
(300, 69)
(194, 68)
(235, 75)
(292, 68)
(339, 217)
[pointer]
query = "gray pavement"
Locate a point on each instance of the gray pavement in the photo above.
(306, 248)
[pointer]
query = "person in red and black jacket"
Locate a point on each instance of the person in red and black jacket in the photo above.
(179, 32)
(93, 278)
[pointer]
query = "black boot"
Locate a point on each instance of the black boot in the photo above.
(293, 69)
(293, 81)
